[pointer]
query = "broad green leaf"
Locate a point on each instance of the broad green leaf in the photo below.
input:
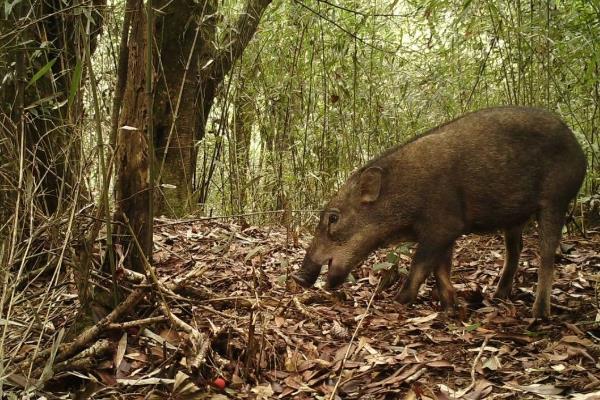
(351, 278)
(403, 249)
(392, 257)
(382, 265)
(8, 6)
(75, 81)
(43, 71)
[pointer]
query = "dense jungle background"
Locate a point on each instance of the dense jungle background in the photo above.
(162, 166)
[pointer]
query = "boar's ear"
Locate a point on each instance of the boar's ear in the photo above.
(370, 184)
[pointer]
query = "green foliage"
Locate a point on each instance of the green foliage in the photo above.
(43, 71)
(325, 86)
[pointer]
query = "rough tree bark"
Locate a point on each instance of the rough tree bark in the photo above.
(132, 189)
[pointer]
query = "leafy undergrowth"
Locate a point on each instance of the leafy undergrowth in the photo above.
(265, 338)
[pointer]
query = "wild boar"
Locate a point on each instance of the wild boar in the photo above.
(488, 170)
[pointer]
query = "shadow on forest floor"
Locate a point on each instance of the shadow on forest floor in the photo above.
(264, 337)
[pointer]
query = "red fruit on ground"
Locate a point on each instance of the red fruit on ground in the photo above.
(219, 383)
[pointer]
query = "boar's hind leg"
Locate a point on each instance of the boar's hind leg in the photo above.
(550, 223)
(426, 259)
(443, 282)
(513, 242)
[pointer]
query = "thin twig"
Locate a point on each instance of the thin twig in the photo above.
(346, 31)
(362, 318)
(87, 358)
(364, 14)
(473, 369)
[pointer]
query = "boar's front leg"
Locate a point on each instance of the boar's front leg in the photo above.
(427, 258)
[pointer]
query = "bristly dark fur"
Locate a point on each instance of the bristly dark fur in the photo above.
(438, 129)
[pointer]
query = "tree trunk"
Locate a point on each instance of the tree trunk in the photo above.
(180, 40)
(41, 110)
(183, 46)
(132, 186)
(191, 71)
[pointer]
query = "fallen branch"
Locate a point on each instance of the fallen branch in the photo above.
(564, 308)
(87, 359)
(196, 338)
(91, 334)
(136, 323)
(197, 361)
(303, 310)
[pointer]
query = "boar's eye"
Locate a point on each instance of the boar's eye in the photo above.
(333, 218)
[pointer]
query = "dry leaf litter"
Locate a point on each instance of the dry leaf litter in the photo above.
(266, 338)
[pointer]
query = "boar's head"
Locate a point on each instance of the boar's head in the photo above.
(350, 227)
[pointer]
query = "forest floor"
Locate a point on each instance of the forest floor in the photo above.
(264, 337)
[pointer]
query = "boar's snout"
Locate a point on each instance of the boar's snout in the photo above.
(335, 278)
(308, 274)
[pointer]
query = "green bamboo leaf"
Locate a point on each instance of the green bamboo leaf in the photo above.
(43, 71)
(75, 81)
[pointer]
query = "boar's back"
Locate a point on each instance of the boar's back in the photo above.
(492, 168)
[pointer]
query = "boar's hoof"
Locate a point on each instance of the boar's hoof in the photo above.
(541, 310)
(446, 297)
(405, 297)
(501, 294)
(451, 311)
(449, 305)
